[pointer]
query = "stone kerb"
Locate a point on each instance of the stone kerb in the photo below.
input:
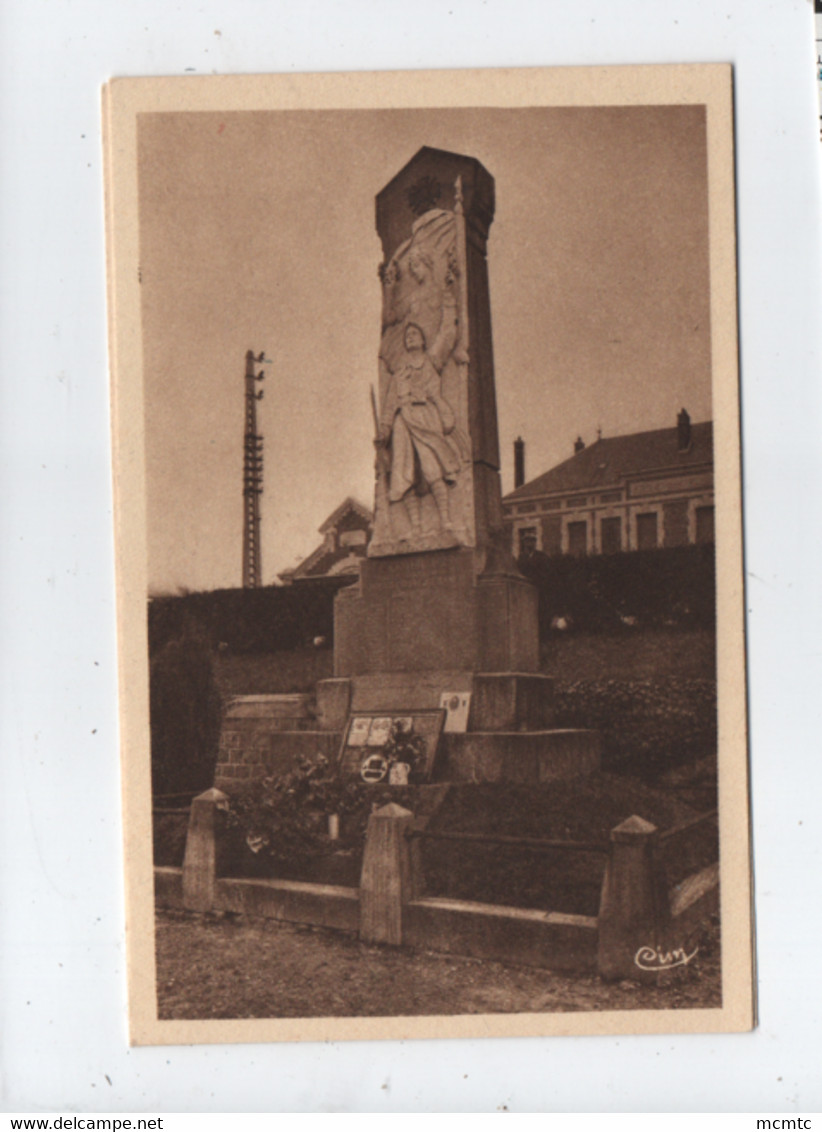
(200, 861)
(634, 912)
(389, 878)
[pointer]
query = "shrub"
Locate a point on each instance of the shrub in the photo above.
(283, 820)
(647, 726)
(185, 714)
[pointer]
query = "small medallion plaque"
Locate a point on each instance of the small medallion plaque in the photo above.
(456, 705)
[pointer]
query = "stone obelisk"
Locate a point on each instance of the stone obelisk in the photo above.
(439, 597)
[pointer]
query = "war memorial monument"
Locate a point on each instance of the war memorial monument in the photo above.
(439, 636)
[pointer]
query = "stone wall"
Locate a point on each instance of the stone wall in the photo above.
(263, 735)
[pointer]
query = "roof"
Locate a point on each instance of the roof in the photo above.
(312, 562)
(321, 560)
(348, 504)
(612, 459)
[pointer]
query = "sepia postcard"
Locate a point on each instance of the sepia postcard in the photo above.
(426, 439)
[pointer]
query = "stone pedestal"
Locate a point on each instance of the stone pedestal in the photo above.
(435, 612)
(500, 701)
(511, 735)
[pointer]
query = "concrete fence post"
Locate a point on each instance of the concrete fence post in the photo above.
(634, 916)
(389, 877)
(200, 861)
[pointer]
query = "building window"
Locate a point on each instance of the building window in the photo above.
(353, 538)
(551, 535)
(647, 537)
(527, 541)
(704, 524)
(610, 535)
(578, 539)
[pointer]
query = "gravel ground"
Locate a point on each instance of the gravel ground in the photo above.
(233, 967)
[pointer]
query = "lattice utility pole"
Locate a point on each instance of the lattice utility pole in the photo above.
(252, 475)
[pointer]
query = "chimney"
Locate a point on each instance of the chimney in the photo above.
(519, 462)
(579, 444)
(683, 431)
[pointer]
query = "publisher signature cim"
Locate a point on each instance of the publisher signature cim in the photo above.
(654, 959)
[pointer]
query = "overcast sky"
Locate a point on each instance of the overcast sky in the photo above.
(257, 230)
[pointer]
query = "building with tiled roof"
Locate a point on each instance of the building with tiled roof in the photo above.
(346, 534)
(621, 493)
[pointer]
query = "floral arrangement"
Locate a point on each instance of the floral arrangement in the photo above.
(400, 760)
(285, 817)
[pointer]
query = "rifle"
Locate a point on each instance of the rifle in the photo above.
(383, 461)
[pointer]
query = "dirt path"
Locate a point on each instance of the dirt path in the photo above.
(233, 967)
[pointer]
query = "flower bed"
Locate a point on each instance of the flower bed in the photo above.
(647, 726)
(281, 826)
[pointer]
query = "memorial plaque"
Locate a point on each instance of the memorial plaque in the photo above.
(358, 731)
(379, 732)
(399, 749)
(457, 706)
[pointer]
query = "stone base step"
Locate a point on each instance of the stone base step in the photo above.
(283, 712)
(520, 757)
(500, 701)
(513, 756)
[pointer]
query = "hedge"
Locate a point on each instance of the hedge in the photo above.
(269, 619)
(673, 586)
(186, 713)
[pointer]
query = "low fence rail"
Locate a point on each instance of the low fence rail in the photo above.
(533, 844)
(683, 826)
(173, 803)
(641, 927)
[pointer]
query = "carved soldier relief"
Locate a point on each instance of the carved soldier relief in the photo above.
(423, 465)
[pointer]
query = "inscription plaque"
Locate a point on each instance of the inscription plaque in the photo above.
(391, 749)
